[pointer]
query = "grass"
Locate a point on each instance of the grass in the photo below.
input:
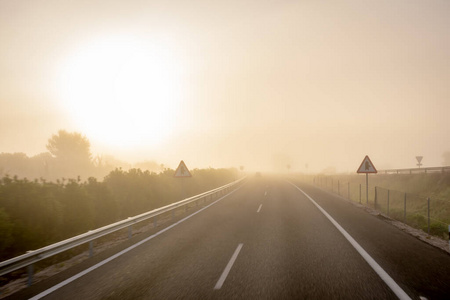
(390, 196)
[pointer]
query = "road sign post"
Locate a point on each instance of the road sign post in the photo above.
(419, 161)
(367, 167)
(182, 172)
(367, 188)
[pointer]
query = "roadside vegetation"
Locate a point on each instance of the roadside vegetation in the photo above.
(71, 192)
(392, 190)
(68, 155)
(37, 213)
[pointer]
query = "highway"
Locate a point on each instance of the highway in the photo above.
(267, 240)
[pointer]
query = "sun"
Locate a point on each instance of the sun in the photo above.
(123, 92)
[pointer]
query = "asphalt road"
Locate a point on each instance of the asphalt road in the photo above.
(267, 240)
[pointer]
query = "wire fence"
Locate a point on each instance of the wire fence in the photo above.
(429, 214)
(426, 213)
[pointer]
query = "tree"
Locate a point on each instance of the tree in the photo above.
(70, 146)
(72, 153)
(6, 229)
(148, 165)
(14, 164)
(39, 165)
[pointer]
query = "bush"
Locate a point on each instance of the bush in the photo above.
(439, 229)
(36, 213)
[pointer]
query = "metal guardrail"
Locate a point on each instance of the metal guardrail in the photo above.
(416, 170)
(34, 256)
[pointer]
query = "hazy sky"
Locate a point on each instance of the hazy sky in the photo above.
(229, 83)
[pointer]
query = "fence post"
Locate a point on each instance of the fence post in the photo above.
(348, 191)
(388, 204)
(404, 210)
(360, 193)
(428, 200)
(339, 190)
(375, 199)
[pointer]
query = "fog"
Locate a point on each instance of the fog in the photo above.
(260, 84)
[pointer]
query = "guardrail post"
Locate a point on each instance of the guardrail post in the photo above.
(30, 275)
(91, 248)
(173, 213)
(155, 221)
(428, 200)
(404, 210)
(130, 229)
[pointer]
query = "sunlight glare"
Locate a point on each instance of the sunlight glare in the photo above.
(123, 92)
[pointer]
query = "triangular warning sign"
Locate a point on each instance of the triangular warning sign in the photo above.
(367, 166)
(182, 170)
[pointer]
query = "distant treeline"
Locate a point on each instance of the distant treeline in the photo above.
(69, 155)
(37, 213)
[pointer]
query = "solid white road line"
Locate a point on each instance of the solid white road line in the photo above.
(228, 268)
(259, 209)
(375, 266)
(69, 280)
